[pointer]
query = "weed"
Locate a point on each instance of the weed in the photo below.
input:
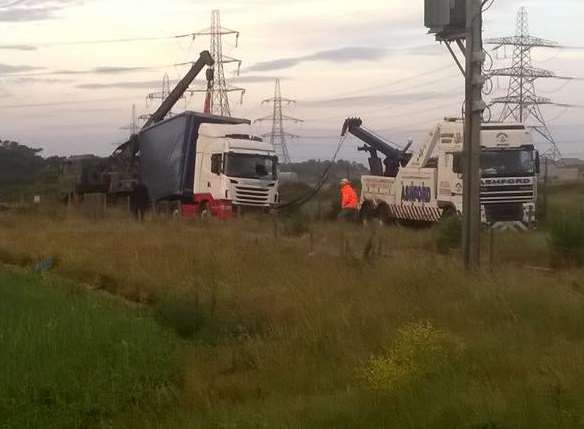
(449, 234)
(567, 240)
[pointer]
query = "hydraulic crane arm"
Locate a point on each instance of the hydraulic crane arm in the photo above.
(205, 59)
(394, 157)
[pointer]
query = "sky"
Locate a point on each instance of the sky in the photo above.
(64, 91)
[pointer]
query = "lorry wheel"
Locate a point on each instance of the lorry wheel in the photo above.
(449, 212)
(384, 215)
(367, 213)
(205, 211)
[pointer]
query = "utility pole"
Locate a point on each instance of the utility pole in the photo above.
(217, 91)
(522, 104)
(472, 135)
(278, 136)
(461, 22)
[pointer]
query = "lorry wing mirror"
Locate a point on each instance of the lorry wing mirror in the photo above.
(457, 163)
(537, 163)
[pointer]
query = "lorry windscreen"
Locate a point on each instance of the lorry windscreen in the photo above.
(249, 166)
(508, 163)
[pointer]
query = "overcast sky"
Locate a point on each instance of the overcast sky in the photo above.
(336, 58)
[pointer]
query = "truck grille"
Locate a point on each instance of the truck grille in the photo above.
(251, 196)
(504, 212)
(507, 194)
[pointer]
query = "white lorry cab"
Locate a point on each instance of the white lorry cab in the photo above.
(239, 168)
(207, 165)
(427, 185)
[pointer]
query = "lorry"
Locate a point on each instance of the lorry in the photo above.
(208, 165)
(426, 185)
(194, 163)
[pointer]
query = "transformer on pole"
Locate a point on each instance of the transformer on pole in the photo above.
(460, 22)
(278, 137)
(217, 91)
(522, 104)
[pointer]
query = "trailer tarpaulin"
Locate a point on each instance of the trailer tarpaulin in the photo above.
(168, 151)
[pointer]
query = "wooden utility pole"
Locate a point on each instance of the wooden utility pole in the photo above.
(474, 107)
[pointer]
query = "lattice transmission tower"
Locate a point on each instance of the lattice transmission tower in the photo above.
(160, 95)
(522, 104)
(218, 89)
(278, 137)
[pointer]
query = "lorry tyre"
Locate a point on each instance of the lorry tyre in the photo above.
(367, 213)
(449, 212)
(384, 215)
(205, 210)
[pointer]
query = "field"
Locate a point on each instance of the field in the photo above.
(253, 324)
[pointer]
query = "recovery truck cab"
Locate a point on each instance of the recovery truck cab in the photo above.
(429, 186)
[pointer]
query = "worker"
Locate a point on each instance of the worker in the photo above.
(349, 202)
(140, 201)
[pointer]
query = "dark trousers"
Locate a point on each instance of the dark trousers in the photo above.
(348, 215)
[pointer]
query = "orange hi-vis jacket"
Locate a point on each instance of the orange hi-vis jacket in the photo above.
(349, 198)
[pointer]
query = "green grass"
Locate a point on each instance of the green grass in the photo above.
(72, 359)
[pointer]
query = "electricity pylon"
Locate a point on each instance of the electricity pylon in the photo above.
(160, 95)
(133, 126)
(218, 89)
(522, 104)
(278, 136)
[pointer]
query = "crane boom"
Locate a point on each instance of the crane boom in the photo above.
(205, 59)
(394, 157)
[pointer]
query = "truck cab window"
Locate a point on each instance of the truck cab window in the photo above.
(216, 163)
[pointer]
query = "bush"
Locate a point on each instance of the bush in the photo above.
(567, 241)
(181, 311)
(449, 234)
(296, 224)
(419, 351)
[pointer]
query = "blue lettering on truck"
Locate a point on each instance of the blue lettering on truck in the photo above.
(420, 194)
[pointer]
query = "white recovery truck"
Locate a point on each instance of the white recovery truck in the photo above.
(427, 185)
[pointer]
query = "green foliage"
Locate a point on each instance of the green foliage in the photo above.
(182, 311)
(567, 240)
(71, 359)
(296, 224)
(419, 351)
(449, 234)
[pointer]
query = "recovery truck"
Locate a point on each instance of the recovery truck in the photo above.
(197, 163)
(427, 184)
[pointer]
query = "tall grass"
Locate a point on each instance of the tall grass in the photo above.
(281, 327)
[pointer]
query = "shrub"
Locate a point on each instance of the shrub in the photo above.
(181, 311)
(419, 351)
(449, 234)
(567, 241)
(296, 224)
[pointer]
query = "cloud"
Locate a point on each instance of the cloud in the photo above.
(374, 100)
(32, 10)
(18, 47)
(35, 80)
(9, 69)
(149, 84)
(254, 79)
(341, 55)
(104, 70)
